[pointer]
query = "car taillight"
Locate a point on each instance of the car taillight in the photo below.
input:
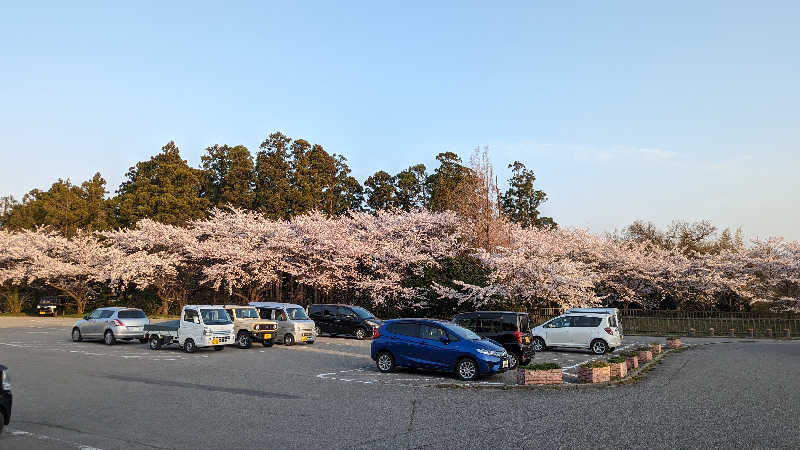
(518, 335)
(376, 334)
(118, 323)
(609, 331)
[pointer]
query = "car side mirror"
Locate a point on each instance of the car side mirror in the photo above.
(444, 339)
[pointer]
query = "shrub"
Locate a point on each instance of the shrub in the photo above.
(545, 366)
(616, 359)
(594, 365)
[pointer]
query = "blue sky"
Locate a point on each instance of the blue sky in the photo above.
(624, 110)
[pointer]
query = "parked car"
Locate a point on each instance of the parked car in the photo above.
(343, 319)
(199, 326)
(437, 345)
(249, 326)
(111, 324)
(5, 397)
(596, 329)
(509, 329)
(47, 307)
(293, 323)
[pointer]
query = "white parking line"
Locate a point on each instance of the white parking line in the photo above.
(42, 437)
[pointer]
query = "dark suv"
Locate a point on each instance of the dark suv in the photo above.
(343, 319)
(509, 329)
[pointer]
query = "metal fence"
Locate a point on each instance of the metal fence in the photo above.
(697, 323)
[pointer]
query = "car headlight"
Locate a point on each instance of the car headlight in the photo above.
(491, 353)
(372, 324)
(6, 381)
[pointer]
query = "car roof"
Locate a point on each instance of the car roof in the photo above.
(238, 306)
(490, 312)
(204, 306)
(117, 308)
(273, 305)
(592, 311)
(419, 319)
(331, 304)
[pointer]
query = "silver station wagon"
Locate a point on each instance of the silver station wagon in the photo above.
(111, 324)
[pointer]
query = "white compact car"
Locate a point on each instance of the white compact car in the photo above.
(596, 329)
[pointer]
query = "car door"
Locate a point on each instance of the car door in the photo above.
(580, 331)
(87, 325)
(348, 320)
(103, 321)
(403, 340)
(558, 331)
(330, 315)
(431, 351)
(191, 327)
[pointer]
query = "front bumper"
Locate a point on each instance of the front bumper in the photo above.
(264, 336)
(490, 365)
(209, 341)
(305, 336)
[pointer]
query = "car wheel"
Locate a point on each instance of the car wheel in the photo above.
(538, 345)
(219, 348)
(360, 334)
(155, 342)
(317, 330)
(189, 346)
(385, 362)
(599, 347)
(266, 344)
(467, 369)
(288, 340)
(76, 335)
(513, 360)
(109, 338)
(244, 340)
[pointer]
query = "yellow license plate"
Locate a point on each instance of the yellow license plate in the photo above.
(303, 339)
(41, 312)
(527, 340)
(267, 336)
(215, 341)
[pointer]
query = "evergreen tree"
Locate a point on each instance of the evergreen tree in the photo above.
(164, 189)
(380, 191)
(228, 176)
(446, 183)
(521, 201)
(410, 188)
(273, 178)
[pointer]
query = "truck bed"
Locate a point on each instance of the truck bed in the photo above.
(169, 325)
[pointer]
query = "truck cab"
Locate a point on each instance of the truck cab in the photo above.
(199, 326)
(249, 326)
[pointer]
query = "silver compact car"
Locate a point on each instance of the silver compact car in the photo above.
(110, 325)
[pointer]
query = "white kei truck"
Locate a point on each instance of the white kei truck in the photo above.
(199, 326)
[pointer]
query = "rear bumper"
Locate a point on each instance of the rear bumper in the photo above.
(127, 332)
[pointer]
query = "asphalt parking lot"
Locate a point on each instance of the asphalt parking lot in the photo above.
(730, 393)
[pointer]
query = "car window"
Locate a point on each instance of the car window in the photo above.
(469, 323)
(245, 313)
(280, 315)
(559, 322)
(489, 325)
(215, 316)
(132, 314)
(313, 310)
(95, 314)
(331, 311)
(523, 323)
(106, 314)
(189, 315)
(404, 329)
(431, 332)
(510, 322)
(296, 313)
(586, 321)
(612, 321)
(230, 313)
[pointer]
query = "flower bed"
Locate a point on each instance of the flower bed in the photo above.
(549, 373)
(618, 366)
(594, 372)
(644, 356)
(674, 342)
(631, 360)
(655, 349)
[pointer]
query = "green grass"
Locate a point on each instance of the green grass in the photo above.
(616, 359)
(545, 366)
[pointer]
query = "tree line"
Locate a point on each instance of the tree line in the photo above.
(286, 178)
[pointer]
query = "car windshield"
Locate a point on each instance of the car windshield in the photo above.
(296, 314)
(247, 313)
(216, 316)
(462, 333)
(362, 313)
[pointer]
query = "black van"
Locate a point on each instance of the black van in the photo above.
(509, 329)
(343, 319)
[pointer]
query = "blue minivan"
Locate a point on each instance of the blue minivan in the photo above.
(437, 345)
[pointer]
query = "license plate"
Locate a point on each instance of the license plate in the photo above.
(215, 341)
(267, 336)
(527, 340)
(41, 312)
(303, 339)
(505, 363)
